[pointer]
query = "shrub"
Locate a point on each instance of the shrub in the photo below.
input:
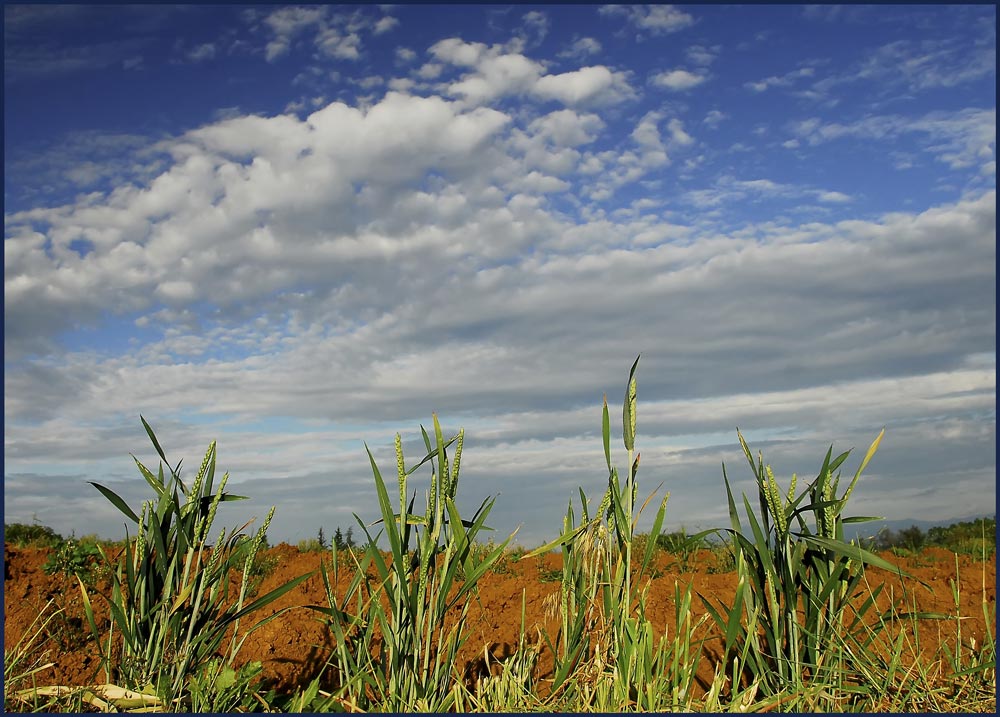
(73, 558)
(23, 535)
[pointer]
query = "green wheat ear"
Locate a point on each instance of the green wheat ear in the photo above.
(629, 410)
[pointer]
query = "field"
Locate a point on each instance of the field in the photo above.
(775, 612)
(293, 648)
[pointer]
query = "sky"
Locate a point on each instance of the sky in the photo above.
(296, 230)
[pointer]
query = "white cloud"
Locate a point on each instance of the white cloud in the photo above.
(369, 82)
(458, 52)
(714, 118)
(702, 55)
(567, 128)
(582, 47)
(647, 135)
(902, 68)
(785, 80)
(286, 23)
(595, 85)
(201, 53)
(401, 84)
(497, 76)
(430, 70)
(497, 72)
(385, 24)
(462, 331)
(677, 80)
(405, 54)
(944, 64)
(538, 183)
(332, 43)
(537, 24)
(334, 34)
(654, 19)
(728, 190)
(678, 137)
(960, 139)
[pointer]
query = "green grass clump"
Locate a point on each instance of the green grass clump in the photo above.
(170, 596)
(433, 566)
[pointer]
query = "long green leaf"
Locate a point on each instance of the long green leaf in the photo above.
(391, 530)
(267, 598)
(852, 552)
(606, 432)
(654, 534)
(116, 501)
(152, 437)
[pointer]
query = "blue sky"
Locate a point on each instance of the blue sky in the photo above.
(293, 229)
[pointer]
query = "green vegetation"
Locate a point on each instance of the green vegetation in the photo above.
(975, 538)
(802, 632)
(22, 535)
(792, 615)
(170, 592)
(73, 558)
(413, 666)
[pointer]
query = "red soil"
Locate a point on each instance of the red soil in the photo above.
(294, 646)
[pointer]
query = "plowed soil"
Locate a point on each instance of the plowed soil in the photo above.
(293, 647)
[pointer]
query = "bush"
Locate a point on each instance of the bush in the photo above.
(23, 535)
(73, 558)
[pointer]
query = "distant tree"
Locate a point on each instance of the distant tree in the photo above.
(321, 538)
(343, 541)
(912, 538)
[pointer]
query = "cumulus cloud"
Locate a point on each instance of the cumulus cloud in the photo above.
(286, 23)
(334, 34)
(304, 167)
(498, 75)
(497, 72)
(677, 80)
(595, 85)
(567, 128)
(458, 52)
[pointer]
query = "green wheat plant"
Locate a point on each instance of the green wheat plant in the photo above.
(171, 599)
(797, 620)
(606, 654)
(413, 667)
